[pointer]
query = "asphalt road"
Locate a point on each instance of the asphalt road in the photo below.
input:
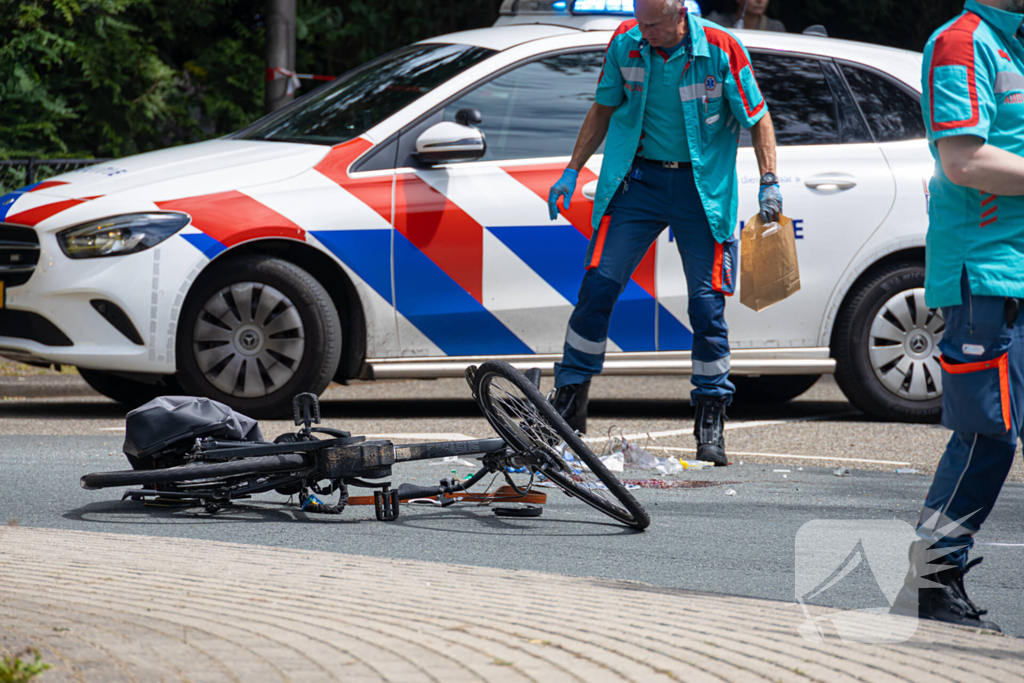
(749, 543)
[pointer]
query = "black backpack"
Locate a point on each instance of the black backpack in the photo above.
(159, 433)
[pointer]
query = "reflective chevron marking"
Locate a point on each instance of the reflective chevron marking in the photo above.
(219, 215)
(474, 272)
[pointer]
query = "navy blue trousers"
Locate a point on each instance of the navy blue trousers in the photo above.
(982, 394)
(651, 198)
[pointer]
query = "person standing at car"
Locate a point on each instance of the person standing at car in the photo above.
(671, 98)
(748, 14)
(973, 105)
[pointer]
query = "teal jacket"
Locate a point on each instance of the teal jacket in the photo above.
(973, 84)
(719, 73)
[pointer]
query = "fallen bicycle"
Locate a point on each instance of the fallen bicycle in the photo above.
(183, 450)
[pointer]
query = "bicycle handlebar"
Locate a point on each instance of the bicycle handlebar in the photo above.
(410, 491)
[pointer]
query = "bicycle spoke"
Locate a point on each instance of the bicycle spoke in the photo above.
(520, 414)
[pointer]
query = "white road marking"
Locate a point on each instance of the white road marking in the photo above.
(783, 455)
(1002, 545)
(735, 425)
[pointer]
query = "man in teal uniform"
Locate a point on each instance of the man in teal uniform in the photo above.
(672, 96)
(973, 105)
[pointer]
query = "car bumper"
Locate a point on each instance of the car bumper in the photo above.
(55, 317)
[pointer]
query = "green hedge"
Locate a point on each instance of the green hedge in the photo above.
(109, 78)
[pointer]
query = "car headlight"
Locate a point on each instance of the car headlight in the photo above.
(119, 235)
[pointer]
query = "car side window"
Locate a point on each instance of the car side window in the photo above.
(892, 112)
(535, 110)
(799, 98)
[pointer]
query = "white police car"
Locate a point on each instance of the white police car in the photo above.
(393, 223)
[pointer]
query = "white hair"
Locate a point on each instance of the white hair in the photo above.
(674, 6)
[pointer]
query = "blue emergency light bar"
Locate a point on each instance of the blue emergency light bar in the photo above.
(603, 7)
(615, 7)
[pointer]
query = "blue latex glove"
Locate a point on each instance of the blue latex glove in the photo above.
(565, 186)
(770, 199)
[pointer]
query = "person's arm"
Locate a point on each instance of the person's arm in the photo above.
(592, 134)
(969, 162)
(762, 135)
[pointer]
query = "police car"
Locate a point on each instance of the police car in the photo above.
(393, 224)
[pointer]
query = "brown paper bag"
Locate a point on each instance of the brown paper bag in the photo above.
(768, 267)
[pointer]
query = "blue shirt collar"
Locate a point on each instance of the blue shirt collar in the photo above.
(1006, 23)
(696, 42)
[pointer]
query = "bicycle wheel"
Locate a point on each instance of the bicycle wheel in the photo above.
(524, 418)
(199, 471)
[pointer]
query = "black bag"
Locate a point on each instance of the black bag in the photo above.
(159, 433)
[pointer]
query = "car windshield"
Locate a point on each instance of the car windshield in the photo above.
(360, 99)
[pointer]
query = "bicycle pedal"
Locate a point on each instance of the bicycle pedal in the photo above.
(306, 409)
(386, 505)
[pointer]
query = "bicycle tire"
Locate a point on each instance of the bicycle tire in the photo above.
(524, 418)
(198, 471)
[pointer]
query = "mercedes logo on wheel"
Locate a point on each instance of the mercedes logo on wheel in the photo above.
(918, 343)
(249, 340)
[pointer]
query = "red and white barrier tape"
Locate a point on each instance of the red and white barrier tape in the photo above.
(273, 73)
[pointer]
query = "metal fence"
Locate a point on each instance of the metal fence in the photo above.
(17, 173)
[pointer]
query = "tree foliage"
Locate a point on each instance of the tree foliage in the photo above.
(117, 77)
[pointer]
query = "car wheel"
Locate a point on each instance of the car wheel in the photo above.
(886, 345)
(256, 331)
(771, 388)
(131, 392)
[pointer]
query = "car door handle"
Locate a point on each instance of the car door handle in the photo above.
(590, 190)
(831, 182)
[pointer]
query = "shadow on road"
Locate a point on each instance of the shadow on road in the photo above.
(115, 512)
(476, 520)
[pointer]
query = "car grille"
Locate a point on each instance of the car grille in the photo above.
(31, 326)
(19, 254)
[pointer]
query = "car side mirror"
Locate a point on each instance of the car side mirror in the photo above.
(448, 142)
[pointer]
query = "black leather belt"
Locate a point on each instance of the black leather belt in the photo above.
(667, 164)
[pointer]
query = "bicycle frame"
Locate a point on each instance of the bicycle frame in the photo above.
(343, 460)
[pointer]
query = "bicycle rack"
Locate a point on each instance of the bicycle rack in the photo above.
(386, 504)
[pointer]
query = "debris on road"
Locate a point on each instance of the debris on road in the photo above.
(906, 470)
(731, 492)
(614, 462)
(842, 472)
(672, 484)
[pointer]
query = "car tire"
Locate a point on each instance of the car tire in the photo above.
(254, 332)
(886, 346)
(770, 388)
(131, 392)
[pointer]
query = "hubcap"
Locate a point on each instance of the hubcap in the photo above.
(248, 340)
(903, 346)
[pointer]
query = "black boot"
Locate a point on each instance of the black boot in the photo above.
(571, 403)
(939, 595)
(709, 429)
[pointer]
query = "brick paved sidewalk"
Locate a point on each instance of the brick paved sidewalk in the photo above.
(109, 608)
